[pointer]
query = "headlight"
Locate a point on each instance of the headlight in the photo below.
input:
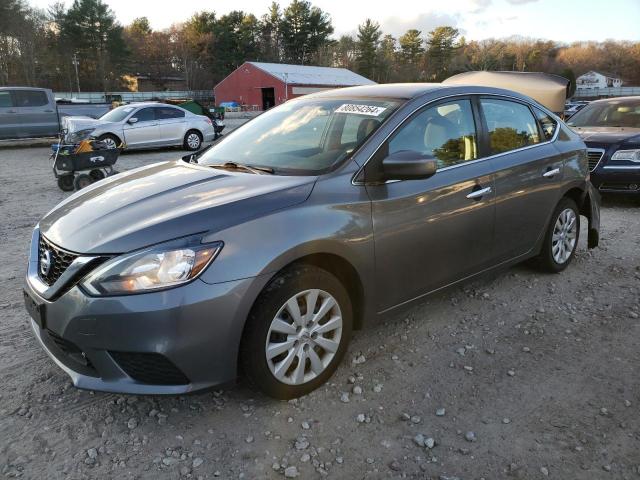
(154, 268)
(79, 135)
(627, 155)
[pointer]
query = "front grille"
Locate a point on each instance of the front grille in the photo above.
(152, 368)
(594, 156)
(70, 349)
(59, 261)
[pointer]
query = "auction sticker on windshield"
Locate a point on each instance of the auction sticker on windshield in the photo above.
(370, 110)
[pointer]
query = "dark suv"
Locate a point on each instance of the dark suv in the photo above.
(317, 217)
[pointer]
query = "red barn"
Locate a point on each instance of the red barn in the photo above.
(264, 85)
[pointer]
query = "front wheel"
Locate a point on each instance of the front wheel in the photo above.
(109, 141)
(297, 332)
(561, 239)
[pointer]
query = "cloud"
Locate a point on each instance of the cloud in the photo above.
(425, 22)
(520, 2)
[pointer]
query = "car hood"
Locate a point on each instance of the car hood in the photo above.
(74, 124)
(164, 201)
(606, 134)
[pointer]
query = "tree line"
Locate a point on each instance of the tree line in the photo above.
(85, 46)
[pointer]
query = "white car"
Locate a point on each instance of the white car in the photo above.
(143, 125)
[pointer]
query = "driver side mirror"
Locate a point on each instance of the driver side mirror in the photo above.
(408, 165)
(132, 120)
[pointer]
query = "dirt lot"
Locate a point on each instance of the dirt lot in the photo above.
(520, 375)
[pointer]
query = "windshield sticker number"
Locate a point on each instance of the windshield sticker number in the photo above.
(370, 110)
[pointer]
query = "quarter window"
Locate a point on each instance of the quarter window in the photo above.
(446, 132)
(547, 123)
(511, 125)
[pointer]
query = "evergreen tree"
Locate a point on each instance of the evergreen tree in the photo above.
(368, 40)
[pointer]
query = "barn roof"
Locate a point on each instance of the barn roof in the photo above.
(306, 75)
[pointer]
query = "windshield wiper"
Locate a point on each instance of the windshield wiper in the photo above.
(248, 168)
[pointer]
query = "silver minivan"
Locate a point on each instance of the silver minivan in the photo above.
(316, 218)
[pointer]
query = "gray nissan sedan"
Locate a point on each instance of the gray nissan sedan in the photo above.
(322, 215)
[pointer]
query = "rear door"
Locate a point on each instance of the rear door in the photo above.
(432, 232)
(143, 133)
(8, 116)
(528, 178)
(35, 113)
(171, 122)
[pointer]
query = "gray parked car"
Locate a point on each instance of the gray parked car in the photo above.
(318, 217)
(143, 125)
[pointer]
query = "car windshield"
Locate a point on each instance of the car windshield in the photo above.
(117, 114)
(304, 136)
(613, 113)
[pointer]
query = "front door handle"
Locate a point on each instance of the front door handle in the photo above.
(551, 173)
(479, 193)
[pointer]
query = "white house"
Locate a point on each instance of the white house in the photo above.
(598, 80)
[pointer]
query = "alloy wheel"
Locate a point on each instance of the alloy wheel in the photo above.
(110, 143)
(564, 236)
(303, 337)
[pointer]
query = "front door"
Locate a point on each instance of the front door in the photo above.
(8, 116)
(430, 233)
(528, 171)
(172, 124)
(145, 131)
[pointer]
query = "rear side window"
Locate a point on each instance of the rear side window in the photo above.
(164, 113)
(145, 115)
(548, 124)
(511, 125)
(30, 98)
(5, 99)
(446, 132)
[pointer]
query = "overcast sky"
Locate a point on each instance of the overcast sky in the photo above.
(561, 20)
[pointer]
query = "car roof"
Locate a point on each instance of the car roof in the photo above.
(408, 91)
(618, 99)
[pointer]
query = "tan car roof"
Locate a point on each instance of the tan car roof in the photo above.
(549, 90)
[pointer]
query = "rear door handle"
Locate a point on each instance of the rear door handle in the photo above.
(551, 173)
(479, 193)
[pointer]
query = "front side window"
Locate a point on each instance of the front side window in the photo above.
(30, 98)
(446, 132)
(511, 125)
(548, 124)
(165, 113)
(145, 115)
(305, 136)
(5, 99)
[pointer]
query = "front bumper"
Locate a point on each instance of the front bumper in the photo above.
(168, 342)
(617, 179)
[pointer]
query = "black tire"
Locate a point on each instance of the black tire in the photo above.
(110, 139)
(545, 259)
(81, 181)
(189, 140)
(96, 174)
(65, 182)
(285, 285)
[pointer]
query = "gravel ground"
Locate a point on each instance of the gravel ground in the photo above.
(519, 375)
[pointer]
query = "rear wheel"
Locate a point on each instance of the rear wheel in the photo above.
(96, 174)
(192, 140)
(561, 239)
(65, 182)
(297, 332)
(110, 141)
(83, 180)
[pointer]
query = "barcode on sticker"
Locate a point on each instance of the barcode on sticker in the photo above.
(360, 109)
